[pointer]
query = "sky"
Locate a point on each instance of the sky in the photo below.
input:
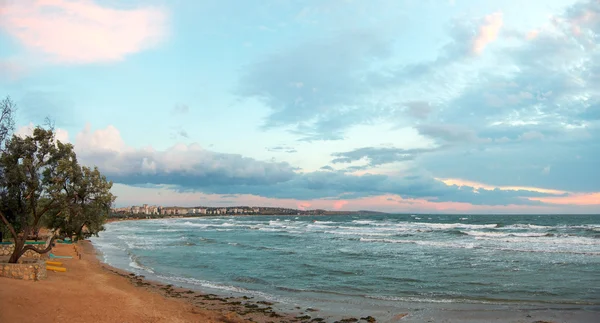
(411, 106)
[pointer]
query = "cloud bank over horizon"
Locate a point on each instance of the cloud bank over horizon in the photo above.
(490, 108)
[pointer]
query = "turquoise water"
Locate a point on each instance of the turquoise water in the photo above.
(347, 260)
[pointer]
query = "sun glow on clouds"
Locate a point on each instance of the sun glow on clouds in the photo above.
(566, 198)
(488, 32)
(164, 195)
(81, 31)
(574, 199)
(476, 185)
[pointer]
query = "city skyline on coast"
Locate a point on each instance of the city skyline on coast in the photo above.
(394, 106)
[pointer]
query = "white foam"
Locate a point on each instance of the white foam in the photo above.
(424, 243)
(504, 234)
(229, 288)
(362, 221)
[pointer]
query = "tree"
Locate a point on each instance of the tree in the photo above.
(41, 181)
(85, 201)
(7, 120)
(28, 167)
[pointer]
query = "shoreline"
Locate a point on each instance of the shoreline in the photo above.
(390, 310)
(247, 308)
(93, 291)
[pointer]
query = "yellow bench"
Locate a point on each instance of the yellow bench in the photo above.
(55, 269)
(54, 263)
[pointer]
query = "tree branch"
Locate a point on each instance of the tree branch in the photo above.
(10, 227)
(38, 216)
(40, 251)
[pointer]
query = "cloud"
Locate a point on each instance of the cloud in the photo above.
(337, 205)
(378, 155)
(319, 89)
(180, 109)
(183, 133)
(488, 32)
(418, 109)
(282, 149)
(192, 168)
(184, 165)
(82, 31)
(316, 87)
(61, 135)
(476, 185)
(448, 133)
(573, 199)
(525, 121)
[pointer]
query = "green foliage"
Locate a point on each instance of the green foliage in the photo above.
(26, 179)
(85, 201)
(41, 182)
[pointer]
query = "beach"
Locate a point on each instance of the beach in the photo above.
(132, 290)
(93, 292)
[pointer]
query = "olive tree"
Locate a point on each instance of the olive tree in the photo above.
(28, 177)
(41, 182)
(85, 201)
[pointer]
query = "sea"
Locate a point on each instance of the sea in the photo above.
(372, 264)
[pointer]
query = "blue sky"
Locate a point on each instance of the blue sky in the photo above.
(399, 106)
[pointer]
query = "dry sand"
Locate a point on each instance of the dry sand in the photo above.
(93, 292)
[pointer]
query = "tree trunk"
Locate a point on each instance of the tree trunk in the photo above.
(21, 248)
(19, 245)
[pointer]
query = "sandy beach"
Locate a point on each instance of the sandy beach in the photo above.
(92, 292)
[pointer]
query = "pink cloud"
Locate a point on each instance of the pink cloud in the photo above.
(303, 206)
(572, 199)
(81, 31)
(532, 34)
(128, 195)
(488, 32)
(338, 205)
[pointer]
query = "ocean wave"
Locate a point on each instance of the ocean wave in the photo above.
(223, 287)
(446, 226)
(354, 233)
(423, 243)
(503, 234)
(135, 263)
(574, 252)
(362, 221)
(552, 240)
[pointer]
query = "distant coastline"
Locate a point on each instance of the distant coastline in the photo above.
(159, 212)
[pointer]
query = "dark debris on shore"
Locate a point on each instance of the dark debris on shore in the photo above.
(244, 307)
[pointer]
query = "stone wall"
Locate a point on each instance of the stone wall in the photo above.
(7, 250)
(28, 270)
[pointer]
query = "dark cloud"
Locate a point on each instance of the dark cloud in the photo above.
(378, 155)
(282, 149)
(449, 133)
(191, 168)
(183, 134)
(418, 109)
(186, 166)
(324, 185)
